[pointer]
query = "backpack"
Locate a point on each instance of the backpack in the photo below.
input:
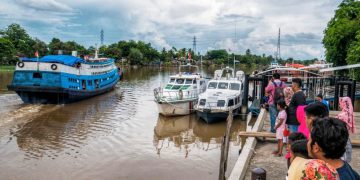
(279, 92)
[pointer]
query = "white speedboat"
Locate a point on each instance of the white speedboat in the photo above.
(223, 94)
(181, 92)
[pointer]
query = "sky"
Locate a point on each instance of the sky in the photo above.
(234, 25)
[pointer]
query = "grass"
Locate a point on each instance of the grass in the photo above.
(7, 68)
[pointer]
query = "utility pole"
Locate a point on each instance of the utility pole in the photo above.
(102, 37)
(194, 45)
(278, 55)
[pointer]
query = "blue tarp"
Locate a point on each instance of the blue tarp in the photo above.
(63, 59)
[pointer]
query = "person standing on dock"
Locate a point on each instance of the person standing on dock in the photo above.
(288, 94)
(313, 111)
(347, 115)
(321, 99)
(274, 87)
(297, 100)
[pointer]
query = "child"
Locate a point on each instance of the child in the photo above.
(280, 126)
(294, 137)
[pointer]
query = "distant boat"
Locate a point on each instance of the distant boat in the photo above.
(60, 79)
(223, 94)
(181, 92)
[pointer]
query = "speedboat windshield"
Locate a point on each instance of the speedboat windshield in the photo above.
(223, 85)
(212, 85)
(188, 81)
(234, 86)
(179, 81)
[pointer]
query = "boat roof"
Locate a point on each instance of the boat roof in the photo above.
(186, 76)
(232, 80)
(286, 69)
(62, 59)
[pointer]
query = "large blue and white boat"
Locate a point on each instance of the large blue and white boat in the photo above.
(60, 79)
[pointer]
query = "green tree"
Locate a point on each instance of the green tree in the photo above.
(40, 46)
(135, 56)
(353, 56)
(55, 45)
(341, 39)
(20, 39)
(220, 55)
(7, 52)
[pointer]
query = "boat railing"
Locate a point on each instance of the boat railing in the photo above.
(180, 95)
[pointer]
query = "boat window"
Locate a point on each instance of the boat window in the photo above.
(212, 85)
(194, 82)
(185, 87)
(37, 75)
(231, 102)
(202, 102)
(172, 80)
(220, 103)
(179, 81)
(168, 86)
(96, 81)
(234, 86)
(188, 81)
(176, 87)
(83, 82)
(223, 85)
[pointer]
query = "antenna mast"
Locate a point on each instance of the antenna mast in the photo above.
(278, 55)
(102, 37)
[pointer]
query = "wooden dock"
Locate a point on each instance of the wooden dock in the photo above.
(247, 151)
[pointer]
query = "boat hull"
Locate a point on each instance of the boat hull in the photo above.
(175, 108)
(213, 117)
(41, 95)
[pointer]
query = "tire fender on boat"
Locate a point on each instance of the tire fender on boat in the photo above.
(54, 67)
(20, 64)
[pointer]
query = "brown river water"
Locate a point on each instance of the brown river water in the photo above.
(118, 135)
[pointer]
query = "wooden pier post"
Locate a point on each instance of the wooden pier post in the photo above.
(245, 99)
(225, 146)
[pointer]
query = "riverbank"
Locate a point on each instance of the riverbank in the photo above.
(7, 68)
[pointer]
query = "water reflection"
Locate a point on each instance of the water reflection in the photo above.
(187, 132)
(5, 79)
(69, 127)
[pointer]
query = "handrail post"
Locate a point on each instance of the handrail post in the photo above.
(336, 96)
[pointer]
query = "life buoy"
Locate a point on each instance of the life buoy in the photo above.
(54, 67)
(20, 64)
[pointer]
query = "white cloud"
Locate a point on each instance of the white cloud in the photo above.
(166, 23)
(44, 5)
